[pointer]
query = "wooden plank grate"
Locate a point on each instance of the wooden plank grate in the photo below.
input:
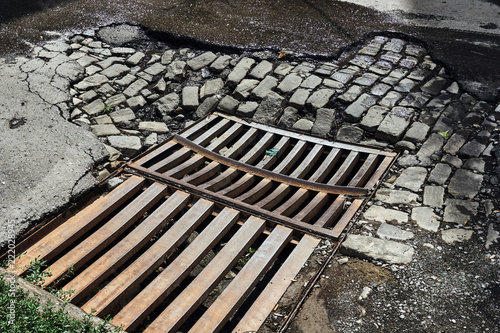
(298, 180)
(222, 198)
(135, 252)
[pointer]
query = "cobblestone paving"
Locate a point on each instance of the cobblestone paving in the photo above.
(386, 93)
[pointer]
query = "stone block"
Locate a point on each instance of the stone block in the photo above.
(417, 132)
(425, 218)
(412, 178)
(388, 231)
(270, 109)
(451, 236)
(396, 197)
(378, 249)
(394, 124)
(190, 98)
(433, 196)
(323, 123)
(459, 211)
(465, 184)
(381, 214)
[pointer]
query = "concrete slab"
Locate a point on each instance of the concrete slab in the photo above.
(46, 160)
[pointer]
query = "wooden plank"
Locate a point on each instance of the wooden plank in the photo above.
(233, 296)
(365, 171)
(157, 290)
(169, 144)
(283, 189)
(197, 291)
(57, 240)
(244, 182)
(228, 175)
(346, 218)
(272, 293)
(88, 248)
(196, 160)
(386, 162)
(309, 138)
(319, 175)
(149, 261)
(183, 153)
(283, 167)
(108, 263)
(213, 167)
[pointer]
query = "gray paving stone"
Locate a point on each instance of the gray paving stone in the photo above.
(289, 118)
(304, 125)
(91, 82)
(476, 164)
(116, 100)
(86, 60)
(343, 76)
(444, 124)
(304, 67)
(135, 88)
(270, 109)
(388, 231)
(136, 102)
(394, 124)
(433, 144)
(167, 104)
(239, 72)
(211, 87)
(299, 98)
(492, 236)
(355, 111)
(127, 145)
(452, 160)
(408, 62)
(367, 79)
(373, 118)
(122, 115)
(412, 178)
(374, 248)
(244, 88)
(404, 145)
(190, 97)
(201, 61)
(425, 218)
(380, 89)
(471, 149)
(115, 70)
(167, 57)
(405, 85)
(103, 120)
(126, 80)
(88, 96)
(381, 67)
(434, 85)
(261, 70)
(332, 84)
(362, 60)
(151, 140)
(283, 69)
(94, 108)
(228, 104)
(323, 123)
(454, 143)
(155, 69)
(176, 70)
(351, 94)
(396, 197)
(208, 105)
(395, 45)
(350, 133)
(319, 98)
(107, 62)
(220, 63)
(123, 50)
(459, 211)
(153, 126)
(381, 214)
(417, 132)
(105, 130)
(247, 109)
(135, 58)
(145, 76)
(311, 82)
(289, 83)
(433, 196)
(326, 69)
(265, 87)
(451, 236)
(465, 183)
(455, 111)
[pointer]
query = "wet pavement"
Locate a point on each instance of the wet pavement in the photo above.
(314, 27)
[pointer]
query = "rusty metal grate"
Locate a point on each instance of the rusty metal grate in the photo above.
(134, 254)
(298, 180)
(155, 253)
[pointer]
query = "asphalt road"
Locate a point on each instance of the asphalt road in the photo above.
(314, 26)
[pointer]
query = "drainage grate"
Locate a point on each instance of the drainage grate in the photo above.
(298, 180)
(136, 249)
(209, 229)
